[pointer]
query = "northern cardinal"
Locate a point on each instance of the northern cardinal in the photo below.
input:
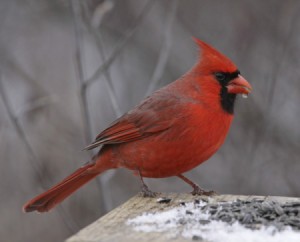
(170, 132)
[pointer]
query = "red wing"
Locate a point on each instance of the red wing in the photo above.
(148, 118)
(118, 132)
(125, 131)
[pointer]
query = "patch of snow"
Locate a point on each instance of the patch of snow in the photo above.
(189, 221)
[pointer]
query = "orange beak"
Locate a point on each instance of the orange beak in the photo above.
(239, 85)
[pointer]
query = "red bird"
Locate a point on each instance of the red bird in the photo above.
(170, 132)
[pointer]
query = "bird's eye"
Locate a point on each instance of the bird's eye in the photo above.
(220, 76)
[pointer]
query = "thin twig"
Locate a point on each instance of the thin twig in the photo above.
(71, 225)
(100, 11)
(20, 131)
(12, 63)
(120, 46)
(165, 49)
(75, 5)
(39, 102)
(34, 105)
(98, 39)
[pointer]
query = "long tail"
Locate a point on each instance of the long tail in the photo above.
(55, 195)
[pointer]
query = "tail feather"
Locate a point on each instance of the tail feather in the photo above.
(49, 199)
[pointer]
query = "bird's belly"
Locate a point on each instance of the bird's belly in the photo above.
(166, 161)
(159, 157)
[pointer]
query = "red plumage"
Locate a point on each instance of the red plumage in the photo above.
(172, 131)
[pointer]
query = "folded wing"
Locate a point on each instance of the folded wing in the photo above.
(146, 119)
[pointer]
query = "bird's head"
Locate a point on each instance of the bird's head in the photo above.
(222, 75)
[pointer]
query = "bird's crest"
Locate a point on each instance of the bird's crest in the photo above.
(212, 60)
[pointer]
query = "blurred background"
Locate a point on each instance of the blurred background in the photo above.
(69, 68)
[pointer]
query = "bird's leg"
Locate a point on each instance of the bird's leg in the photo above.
(196, 189)
(146, 192)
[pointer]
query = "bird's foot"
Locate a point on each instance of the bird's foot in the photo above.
(146, 192)
(199, 191)
(196, 189)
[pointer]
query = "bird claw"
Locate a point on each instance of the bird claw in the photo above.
(146, 192)
(199, 191)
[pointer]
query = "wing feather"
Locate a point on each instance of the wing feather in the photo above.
(147, 118)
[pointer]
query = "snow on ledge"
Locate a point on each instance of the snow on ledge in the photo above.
(190, 222)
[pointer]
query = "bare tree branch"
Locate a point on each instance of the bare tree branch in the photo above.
(39, 102)
(19, 130)
(76, 11)
(71, 225)
(98, 39)
(100, 11)
(35, 104)
(120, 46)
(165, 49)
(12, 63)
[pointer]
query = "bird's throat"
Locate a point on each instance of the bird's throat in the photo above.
(227, 100)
